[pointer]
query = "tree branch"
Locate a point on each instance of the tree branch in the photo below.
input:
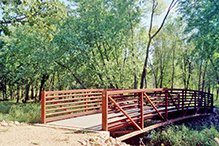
(62, 65)
(172, 4)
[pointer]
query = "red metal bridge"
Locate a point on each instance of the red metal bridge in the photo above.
(113, 109)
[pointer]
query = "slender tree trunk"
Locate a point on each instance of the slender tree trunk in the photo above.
(36, 90)
(11, 92)
(6, 96)
(189, 75)
(199, 77)
(203, 77)
(22, 90)
(27, 90)
(43, 81)
(145, 66)
(18, 93)
(173, 69)
(32, 89)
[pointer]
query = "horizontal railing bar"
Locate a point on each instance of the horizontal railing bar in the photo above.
(72, 99)
(74, 91)
(69, 103)
(72, 95)
(133, 91)
(121, 96)
(76, 110)
(69, 107)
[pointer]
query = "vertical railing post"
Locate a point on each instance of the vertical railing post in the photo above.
(141, 110)
(43, 107)
(104, 110)
(212, 106)
(195, 100)
(166, 105)
(86, 100)
(205, 101)
(183, 102)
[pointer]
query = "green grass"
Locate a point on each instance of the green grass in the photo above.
(184, 136)
(199, 131)
(29, 112)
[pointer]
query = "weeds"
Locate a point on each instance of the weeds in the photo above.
(66, 139)
(35, 143)
(182, 135)
(29, 112)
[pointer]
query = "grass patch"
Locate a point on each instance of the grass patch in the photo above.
(29, 112)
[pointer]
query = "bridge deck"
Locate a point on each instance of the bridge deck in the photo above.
(94, 121)
(90, 122)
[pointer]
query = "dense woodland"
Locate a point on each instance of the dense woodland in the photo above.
(52, 45)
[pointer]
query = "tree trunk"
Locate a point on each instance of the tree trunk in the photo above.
(31, 96)
(145, 66)
(173, 69)
(43, 81)
(189, 75)
(18, 93)
(203, 77)
(199, 77)
(27, 90)
(5, 91)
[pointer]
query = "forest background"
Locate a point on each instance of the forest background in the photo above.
(48, 45)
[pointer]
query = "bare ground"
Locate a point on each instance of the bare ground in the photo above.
(29, 135)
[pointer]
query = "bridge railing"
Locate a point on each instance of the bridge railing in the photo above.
(123, 107)
(132, 107)
(58, 105)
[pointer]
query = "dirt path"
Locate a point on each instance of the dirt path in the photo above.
(28, 135)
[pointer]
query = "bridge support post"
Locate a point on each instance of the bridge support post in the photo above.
(104, 110)
(212, 100)
(183, 102)
(43, 107)
(141, 110)
(195, 100)
(166, 105)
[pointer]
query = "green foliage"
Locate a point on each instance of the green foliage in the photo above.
(182, 135)
(40, 15)
(99, 44)
(30, 112)
(202, 25)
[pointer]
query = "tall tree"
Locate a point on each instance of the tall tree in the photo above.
(151, 36)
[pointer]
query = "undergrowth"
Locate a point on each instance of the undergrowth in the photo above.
(182, 135)
(199, 131)
(28, 112)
